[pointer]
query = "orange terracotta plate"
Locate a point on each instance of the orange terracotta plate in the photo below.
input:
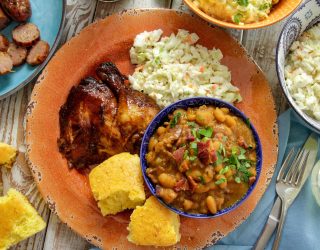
(67, 191)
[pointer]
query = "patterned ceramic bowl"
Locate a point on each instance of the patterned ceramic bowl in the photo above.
(304, 18)
(163, 116)
(283, 9)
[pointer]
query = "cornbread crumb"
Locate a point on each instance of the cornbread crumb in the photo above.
(8, 155)
(18, 219)
(117, 183)
(154, 225)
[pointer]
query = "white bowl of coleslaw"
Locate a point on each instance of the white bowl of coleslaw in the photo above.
(298, 63)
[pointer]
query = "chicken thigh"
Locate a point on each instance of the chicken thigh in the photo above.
(102, 118)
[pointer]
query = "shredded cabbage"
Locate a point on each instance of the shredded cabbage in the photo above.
(302, 72)
(175, 67)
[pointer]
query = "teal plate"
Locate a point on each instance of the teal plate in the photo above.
(49, 16)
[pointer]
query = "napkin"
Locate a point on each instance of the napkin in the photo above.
(301, 228)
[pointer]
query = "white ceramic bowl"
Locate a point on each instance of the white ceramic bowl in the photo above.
(307, 15)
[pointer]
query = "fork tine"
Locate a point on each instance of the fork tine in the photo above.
(285, 164)
(295, 165)
(296, 169)
(302, 170)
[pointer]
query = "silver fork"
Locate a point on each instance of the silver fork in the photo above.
(289, 181)
(274, 215)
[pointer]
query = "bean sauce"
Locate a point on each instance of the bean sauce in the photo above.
(202, 159)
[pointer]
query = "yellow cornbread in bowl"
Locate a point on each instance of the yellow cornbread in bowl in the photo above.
(154, 225)
(18, 219)
(8, 155)
(117, 184)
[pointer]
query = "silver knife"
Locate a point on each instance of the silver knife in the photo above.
(270, 226)
(272, 222)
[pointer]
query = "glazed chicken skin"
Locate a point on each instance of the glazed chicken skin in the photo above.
(102, 118)
(135, 109)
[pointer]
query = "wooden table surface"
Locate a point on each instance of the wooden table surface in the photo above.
(260, 44)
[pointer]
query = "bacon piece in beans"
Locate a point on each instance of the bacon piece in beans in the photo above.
(178, 155)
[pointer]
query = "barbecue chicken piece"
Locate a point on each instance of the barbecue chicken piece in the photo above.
(135, 109)
(103, 118)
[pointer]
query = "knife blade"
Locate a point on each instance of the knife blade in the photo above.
(311, 144)
(270, 226)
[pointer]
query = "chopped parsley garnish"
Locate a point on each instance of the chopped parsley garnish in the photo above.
(240, 163)
(234, 150)
(237, 18)
(194, 147)
(206, 132)
(185, 154)
(222, 150)
(219, 159)
(192, 124)
(248, 122)
(237, 179)
(192, 158)
(265, 6)
(222, 180)
(224, 170)
(194, 133)
(244, 3)
(175, 120)
(202, 180)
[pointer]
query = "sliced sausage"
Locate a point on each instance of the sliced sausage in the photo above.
(17, 53)
(4, 43)
(18, 10)
(26, 34)
(6, 64)
(38, 53)
(4, 20)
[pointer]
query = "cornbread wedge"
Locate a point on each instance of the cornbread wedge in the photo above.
(117, 183)
(8, 155)
(154, 225)
(18, 219)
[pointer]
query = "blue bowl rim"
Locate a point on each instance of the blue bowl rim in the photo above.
(51, 53)
(162, 116)
(294, 107)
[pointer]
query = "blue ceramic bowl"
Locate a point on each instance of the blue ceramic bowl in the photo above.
(49, 16)
(162, 116)
(307, 15)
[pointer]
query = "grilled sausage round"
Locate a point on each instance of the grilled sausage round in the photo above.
(26, 34)
(4, 43)
(17, 53)
(18, 10)
(38, 53)
(6, 64)
(4, 20)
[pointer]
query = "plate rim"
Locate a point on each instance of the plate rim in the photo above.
(51, 53)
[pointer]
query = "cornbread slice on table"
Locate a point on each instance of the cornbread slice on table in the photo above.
(117, 183)
(18, 219)
(154, 225)
(8, 155)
